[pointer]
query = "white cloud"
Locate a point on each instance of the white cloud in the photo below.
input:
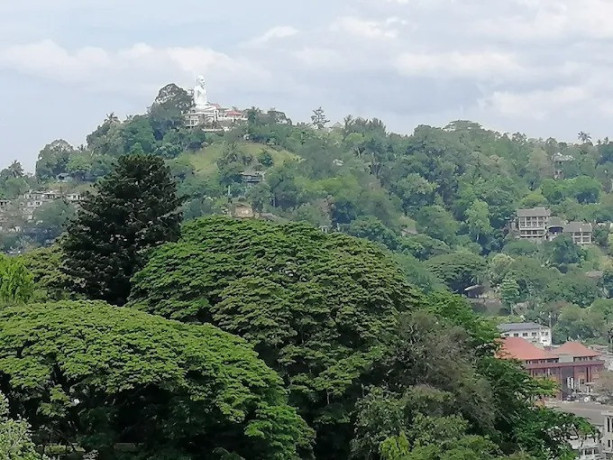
(140, 66)
(536, 104)
(472, 64)
(368, 29)
(565, 20)
(275, 33)
(319, 57)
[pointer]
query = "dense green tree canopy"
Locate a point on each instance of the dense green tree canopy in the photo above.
(132, 210)
(98, 376)
(318, 308)
(459, 270)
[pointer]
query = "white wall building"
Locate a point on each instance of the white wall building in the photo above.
(532, 332)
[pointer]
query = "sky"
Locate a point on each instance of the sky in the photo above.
(533, 66)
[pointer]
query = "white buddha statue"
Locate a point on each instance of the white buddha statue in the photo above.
(201, 101)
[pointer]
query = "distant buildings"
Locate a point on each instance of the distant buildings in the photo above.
(532, 332)
(573, 366)
(558, 163)
(532, 224)
(29, 202)
(601, 416)
(538, 225)
(580, 232)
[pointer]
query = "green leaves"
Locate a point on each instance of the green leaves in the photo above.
(15, 442)
(318, 308)
(93, 374)
(16, 282)
(132, 210)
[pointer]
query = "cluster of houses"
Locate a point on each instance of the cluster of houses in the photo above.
(28, 203)
(574, 367)
(538, 225)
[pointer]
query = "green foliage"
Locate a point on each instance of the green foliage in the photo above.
(458, 270)
(265, 158)
(317, 307)
(44, 265)
(418, 275)
(132, 210)
(423, 247)
(478, 220)
(437, 223)
(94, 375)
(15, 442)
(52, 217)
(563, 251)
(573, 288)
(509, 291)
(373, 229)
(168, 110)
(16, 281)
(53, 159)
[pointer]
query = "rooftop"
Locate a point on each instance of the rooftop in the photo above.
(578, 227)
(511, 327)
(576, 350)
(591, 411)
(521, 349)
(556, 222)
(534, 212)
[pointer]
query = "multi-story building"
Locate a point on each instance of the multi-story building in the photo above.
(532, 224)
(597, 447)
(573, 366)
(580, 232)
(532, 332)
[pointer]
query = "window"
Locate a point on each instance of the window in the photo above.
(516, 335)
(534, 334)
(524, 334)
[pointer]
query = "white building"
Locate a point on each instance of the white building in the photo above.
(532, 332)
(587, 448)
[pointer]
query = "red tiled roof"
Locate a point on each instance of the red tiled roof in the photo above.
(521, 349)
(576, 350)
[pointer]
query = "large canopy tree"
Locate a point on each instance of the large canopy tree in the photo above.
(132, 210)
(99, 377)
(318, 308)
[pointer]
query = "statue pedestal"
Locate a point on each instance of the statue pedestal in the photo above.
(200, 116)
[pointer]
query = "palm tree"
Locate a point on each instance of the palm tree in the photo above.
(584, 137)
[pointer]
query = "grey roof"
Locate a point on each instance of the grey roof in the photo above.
(592, 411)
(510, 327)
(533, 212)
(556, 222)
(578, 227)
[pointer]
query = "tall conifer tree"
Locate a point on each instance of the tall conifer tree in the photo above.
(130, 211)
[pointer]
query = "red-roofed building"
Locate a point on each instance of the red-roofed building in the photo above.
(573, 365)
(577, 350)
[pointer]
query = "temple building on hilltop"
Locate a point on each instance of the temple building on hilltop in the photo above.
(207, 115)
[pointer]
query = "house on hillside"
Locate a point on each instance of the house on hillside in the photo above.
(251, 177)
(580, 232)
(532, 224)
(538, 225)
(558, 164)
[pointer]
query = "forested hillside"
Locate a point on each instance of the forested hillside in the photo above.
(336, 319)
(443, 200)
